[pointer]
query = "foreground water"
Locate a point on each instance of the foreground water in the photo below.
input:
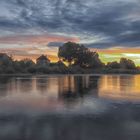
(99, 107)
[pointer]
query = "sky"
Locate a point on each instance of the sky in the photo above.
(29, 28)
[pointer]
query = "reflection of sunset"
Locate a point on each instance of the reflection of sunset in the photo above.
(120, 87)
(54, 91)
(42, 92)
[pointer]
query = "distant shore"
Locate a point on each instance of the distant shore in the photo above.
(73, 59)
(75, 74)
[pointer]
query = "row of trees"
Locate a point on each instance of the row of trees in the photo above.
(79, 58)
(76, 54)
(123, 64)
(8, 65)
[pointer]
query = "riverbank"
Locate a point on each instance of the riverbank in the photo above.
(66, 71)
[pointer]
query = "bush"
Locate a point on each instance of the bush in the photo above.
(32, 69)
(9, 70)
(42, 70)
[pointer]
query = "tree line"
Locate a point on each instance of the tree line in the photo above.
(79, 59)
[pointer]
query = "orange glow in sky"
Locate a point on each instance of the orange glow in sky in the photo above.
(32, 46)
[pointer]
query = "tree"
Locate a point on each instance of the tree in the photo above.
(25, 63)
(127, 64)
(88, 59)
(5, 60)
(113, 65)
(68, 52)
(42, 60)
(94, 60)
(77, 54)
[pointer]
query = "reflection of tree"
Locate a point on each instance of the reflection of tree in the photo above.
(12, 84)
(93, 85)
(24, 84)
(5, 81)
(126, 82)
(78, 86)
(42, 84)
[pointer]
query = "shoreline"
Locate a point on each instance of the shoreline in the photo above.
(57, 74)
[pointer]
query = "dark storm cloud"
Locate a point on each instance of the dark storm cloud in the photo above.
(10, 24)
(54, 44)
(102, 45)
(117, 22)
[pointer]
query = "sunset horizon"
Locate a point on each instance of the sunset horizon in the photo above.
(31, 28)
(106, 55)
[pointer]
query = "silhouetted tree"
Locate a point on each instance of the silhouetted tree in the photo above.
(68, 52)
(94, 60)
(79, 55)
(113, 65)
(25, 63)
(5, 60)
(42, 60)
(6, 63)
(127, 64)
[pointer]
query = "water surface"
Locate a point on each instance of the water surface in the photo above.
(70, 107)
(67, 91)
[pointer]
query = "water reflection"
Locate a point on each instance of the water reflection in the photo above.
(52, 91)
(120, 87)
(107, 120)
(43, 91)
(77, 86)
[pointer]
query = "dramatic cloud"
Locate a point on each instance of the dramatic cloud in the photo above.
(116, 22)
(98, 24)
(36, 39)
